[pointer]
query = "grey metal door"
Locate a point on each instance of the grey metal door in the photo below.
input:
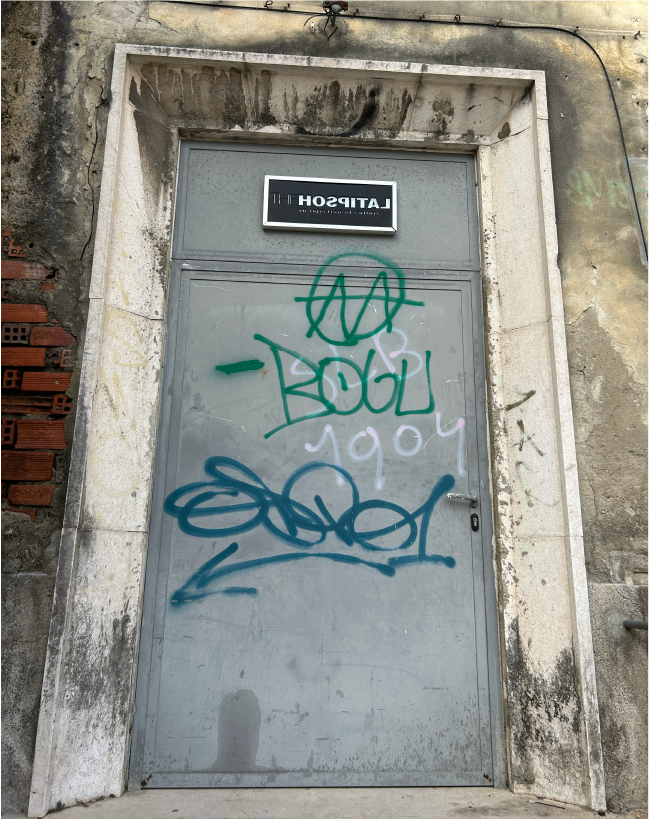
(318, 610)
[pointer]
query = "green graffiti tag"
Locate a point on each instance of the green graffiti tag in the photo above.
(318, 378)
(387, 288)
(583, 190)
(240, 366)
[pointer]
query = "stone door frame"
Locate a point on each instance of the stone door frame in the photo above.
(159, 94)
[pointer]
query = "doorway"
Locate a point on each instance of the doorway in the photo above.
(319, 599)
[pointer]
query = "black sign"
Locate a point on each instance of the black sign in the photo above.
(350, 206)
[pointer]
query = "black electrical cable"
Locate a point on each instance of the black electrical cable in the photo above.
(457, 21)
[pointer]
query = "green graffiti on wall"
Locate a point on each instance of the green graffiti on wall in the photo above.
(585, 191)
(388, 289)
(386, 294)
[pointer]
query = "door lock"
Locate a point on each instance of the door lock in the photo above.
(475, 523)
(455, 496)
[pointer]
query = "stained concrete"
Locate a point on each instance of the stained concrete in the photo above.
(619, 653)
(27, 603)
(325, 803)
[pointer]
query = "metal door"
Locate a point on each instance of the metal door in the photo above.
(318, 610)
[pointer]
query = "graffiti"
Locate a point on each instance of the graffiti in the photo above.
(525, 473)
(328, 433)
(407, 453)
(524, 477)
(615, 189)
(234, 500)
(320, 377)
(526, 397)
(376, 448)
(401, 351)
(382, 290)
(342, 374)
(240, 366)
(583, 190)
(296, 524)
(525, 437)
(459, 428)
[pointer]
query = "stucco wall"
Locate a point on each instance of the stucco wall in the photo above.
(57, 58)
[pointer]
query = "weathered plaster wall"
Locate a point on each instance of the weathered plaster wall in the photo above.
(44, 148)
(58, 57)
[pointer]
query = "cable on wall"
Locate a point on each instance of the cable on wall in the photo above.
(457, 21)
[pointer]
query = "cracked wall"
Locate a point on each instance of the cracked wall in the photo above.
(57, 58)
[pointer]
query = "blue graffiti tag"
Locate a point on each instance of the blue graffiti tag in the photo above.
(301, 527)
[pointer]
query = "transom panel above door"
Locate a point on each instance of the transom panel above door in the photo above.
(221, 192)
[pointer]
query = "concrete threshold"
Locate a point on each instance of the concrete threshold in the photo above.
(324, 803)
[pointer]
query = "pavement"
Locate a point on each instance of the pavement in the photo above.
(324, 803)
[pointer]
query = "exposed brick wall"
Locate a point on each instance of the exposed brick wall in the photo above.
(37, 359)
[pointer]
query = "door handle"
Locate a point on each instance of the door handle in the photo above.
(455, 496)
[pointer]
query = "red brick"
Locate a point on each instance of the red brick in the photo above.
(46, 382)
(33, 434)
(24, 312)
(25, 270)
(29, 405)
(29, 357)
(27, 466)
(12, 249)
(12, 379)
(61, 405)
(8, 431)
(16, 333)
(51, 337)
(28, 495)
